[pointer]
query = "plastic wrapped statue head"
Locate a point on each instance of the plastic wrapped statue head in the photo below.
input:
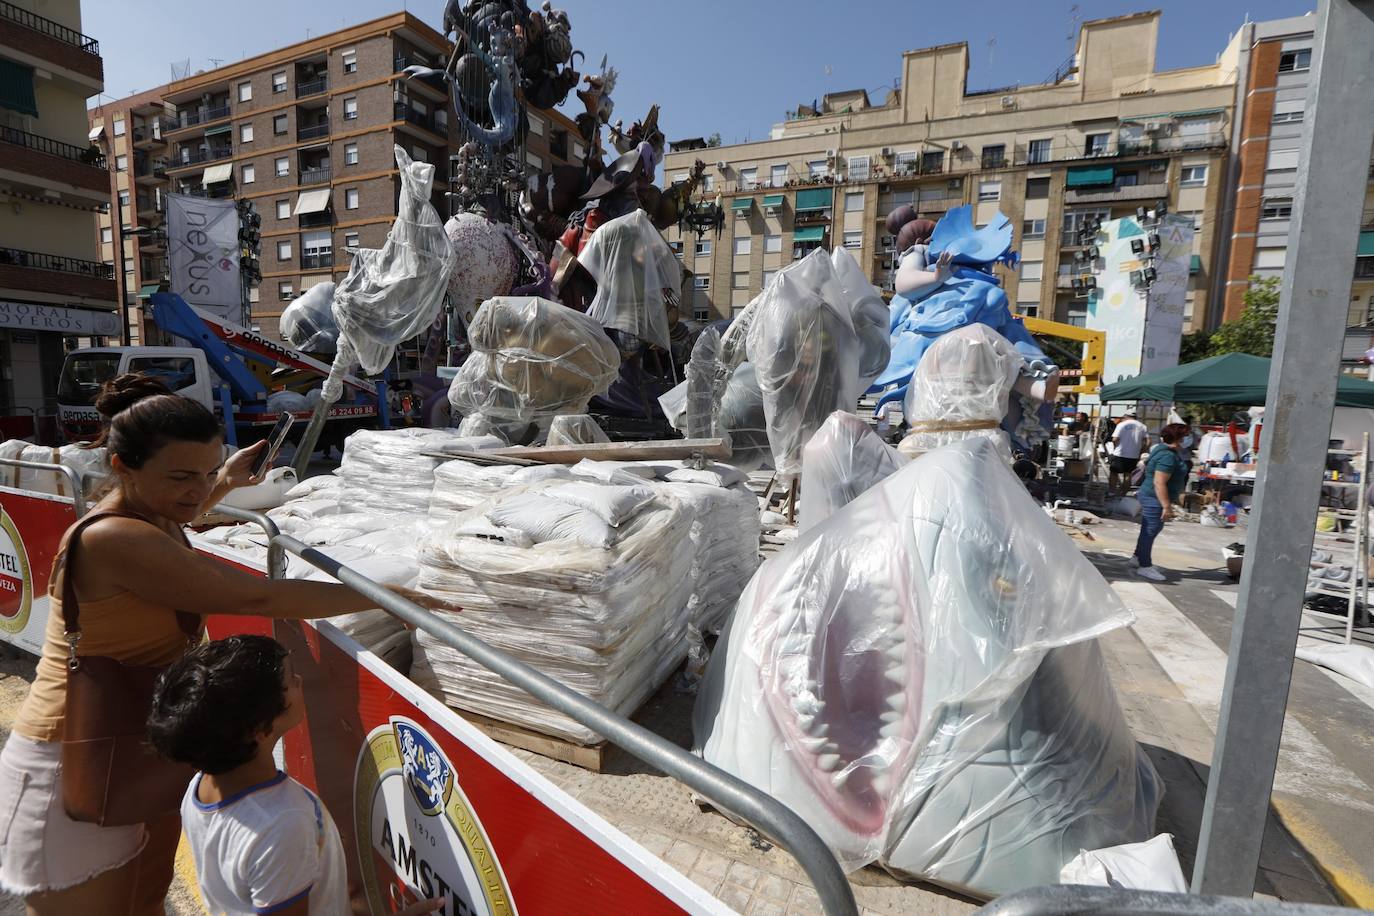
(638, 278)
(843, 460)
(939, 300)
(918, 677)
(308, 322)
(532, 358)
(805, 355)
(960, 390)
(392, 293)
(484, 262)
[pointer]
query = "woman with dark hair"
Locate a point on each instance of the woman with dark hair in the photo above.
(1165, 475)
(138, 583)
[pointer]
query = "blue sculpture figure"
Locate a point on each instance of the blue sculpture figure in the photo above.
(944, 282)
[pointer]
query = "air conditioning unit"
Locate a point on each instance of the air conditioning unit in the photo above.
(830, 154)
(741, 214)
(721, 165)
(957, 145)
(954, 184)
(1008, 101)
(887, 242)
(1158, 166)
(887, 152)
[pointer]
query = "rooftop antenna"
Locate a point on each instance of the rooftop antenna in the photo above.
(180, 69)
(1075, 20)
(992, 45)
(216, 60)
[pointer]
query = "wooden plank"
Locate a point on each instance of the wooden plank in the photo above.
(654, 450)
(589, 757)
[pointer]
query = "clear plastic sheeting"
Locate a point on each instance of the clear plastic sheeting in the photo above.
(575, 429)
(387, 470)
(960, 390)
(637, 278)
(805, 356)
(706, 381)
(308, 322)
(532, 358)
(743, 419)
(392, 293)
(869, 313)
(843, 460)
(917, 676)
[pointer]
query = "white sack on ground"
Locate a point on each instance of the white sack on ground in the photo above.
(917, 676)
(387, 470)
(1354, 662)
(92, 464)
(805, 355)
(637, 277)
(532, 358)
(1149, 866)
(844, 459)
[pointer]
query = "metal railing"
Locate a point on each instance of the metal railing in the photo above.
(150, 168)
(203, 155)
(317, 260)
(1052, 900)
(74, 478)
(17, 257)
(317, 220)
(312, 131)
(192, 118)
(314, 87)
(316, 175)
(728, 793)
(50, 28)
(403, 112)
(86, 155)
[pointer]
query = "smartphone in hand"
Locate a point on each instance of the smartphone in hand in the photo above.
(275, 439)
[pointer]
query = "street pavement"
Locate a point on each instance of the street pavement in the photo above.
(1168, 670)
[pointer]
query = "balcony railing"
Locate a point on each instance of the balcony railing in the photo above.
(150, 168)
(317, 260)
(203, 155)
(314, 87)
(220, 192)
(52, 29)
(144, 133)
(403, 112)
(993, 162)
(87, 155)
(402, 61)
(185, 119)
(316, 220)
(312, 132)
(316, 175)
(1364, 268)
(17, 257)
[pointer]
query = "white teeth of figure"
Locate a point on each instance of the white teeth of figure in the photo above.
(805, 722)
(840, 778)
(828, 762)
(894, 611)
(890, 716)
(806, 704)
(817, 745)
(896, 652)
(891, 730)
(881, 783)
(897, 701)
(896, 674)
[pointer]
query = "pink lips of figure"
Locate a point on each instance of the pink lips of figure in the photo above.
(850, 718)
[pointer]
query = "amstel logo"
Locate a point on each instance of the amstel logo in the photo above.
(418, 837)
(16, 585)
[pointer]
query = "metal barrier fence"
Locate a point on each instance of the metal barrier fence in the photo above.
(765, 813)
(73, 478)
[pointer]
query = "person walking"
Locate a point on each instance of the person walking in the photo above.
(1129, 439)
(142, 594)
(1166, 474)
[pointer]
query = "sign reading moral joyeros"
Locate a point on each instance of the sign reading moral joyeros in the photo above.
(59, 319)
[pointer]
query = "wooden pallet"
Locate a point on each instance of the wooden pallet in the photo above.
(589, 757)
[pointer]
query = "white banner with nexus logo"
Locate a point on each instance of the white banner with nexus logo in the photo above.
(203, 254)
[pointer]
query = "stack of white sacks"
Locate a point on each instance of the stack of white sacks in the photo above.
(591, 574)
(91, 463)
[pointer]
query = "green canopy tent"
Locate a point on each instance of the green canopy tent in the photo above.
(1235, 378)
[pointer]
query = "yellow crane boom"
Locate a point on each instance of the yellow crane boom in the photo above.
(1093, 354)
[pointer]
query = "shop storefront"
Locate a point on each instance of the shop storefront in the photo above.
(34, 340)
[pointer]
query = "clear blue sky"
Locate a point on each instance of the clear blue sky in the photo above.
(733, 66)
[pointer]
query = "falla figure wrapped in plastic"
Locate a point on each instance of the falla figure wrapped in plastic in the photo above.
(917, 675)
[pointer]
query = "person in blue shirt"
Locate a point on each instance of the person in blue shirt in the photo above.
(1165, 475)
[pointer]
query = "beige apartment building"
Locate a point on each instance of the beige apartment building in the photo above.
(306, 133)
(54, 287)
(1108, 136)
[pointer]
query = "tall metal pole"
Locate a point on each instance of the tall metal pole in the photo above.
(1338, 132)
(118, 236)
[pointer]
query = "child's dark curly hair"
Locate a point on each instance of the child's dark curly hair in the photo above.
(211, 705)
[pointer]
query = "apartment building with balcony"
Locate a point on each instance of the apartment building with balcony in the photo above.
(305, 132)
(54, 286)
(1272, 88)
(1109, 134)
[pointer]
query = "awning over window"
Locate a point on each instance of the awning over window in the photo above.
(771, 200)
(809, 234)
(16, 88)
(1366, 249)
(742, 203)
(1196, 113)
(1090, 176)
(147, 289)
(215, 131)
(217, 173)
(316, 201)
(1195, 265)
(815, 199)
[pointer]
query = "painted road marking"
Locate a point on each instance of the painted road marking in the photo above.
(1306, 768)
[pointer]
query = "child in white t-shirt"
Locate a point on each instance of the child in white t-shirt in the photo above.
(262, 842)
